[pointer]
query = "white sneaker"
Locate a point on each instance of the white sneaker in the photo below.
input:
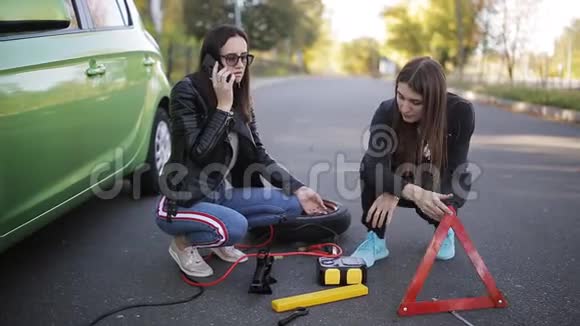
(190, 261)
(229, 254)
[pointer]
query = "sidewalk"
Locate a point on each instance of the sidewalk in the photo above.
(543, 111)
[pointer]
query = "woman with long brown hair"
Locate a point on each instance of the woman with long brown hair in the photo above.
(416, 157)
(212, 191)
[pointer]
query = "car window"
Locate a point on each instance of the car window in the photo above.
(26, 28)
(105, 13)
(74, 24)
(124, 13)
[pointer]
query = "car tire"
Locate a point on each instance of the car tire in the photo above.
(158, 154)
(311, 229)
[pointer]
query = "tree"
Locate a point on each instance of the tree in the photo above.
(485, 21)
(540, 64)
(178, 48)
(406, 35)
(267, 22)
(320, 57)
(469, 31)
(293, 23)
(453, 28)
(567, 50)
(459, 28)
(444, 29)
(308, 22)
(512, 35)
(143, 8)
(361, 56)
(202, 15)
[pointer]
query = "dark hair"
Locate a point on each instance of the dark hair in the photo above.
(426, 77)
(213, 41)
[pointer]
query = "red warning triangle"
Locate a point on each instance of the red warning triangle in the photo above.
(410, 307)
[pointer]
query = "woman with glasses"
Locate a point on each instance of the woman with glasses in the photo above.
(211, 187)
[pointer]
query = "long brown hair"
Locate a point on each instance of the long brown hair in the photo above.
(424, 76)
(213, 41)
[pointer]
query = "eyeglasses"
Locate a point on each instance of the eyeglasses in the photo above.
(232, 59)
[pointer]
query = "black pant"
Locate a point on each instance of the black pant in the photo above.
(368, 197)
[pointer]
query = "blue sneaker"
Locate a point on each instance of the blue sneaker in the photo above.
(371, 249)
(447, 250)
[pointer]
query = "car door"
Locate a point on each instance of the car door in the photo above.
(118, 104)
(127, 120)
(45, 94)
(66, 113)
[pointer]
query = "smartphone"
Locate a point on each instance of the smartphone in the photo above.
(208, 64)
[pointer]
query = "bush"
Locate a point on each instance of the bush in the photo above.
(562, 98)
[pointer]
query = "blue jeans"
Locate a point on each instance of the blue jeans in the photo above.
(223, 218)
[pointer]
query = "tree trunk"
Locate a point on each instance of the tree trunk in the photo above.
(156, 13)
(509, 62)
(461, 52)
(188, 59)
(481, 67)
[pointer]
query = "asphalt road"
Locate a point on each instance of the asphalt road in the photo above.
(525, 223)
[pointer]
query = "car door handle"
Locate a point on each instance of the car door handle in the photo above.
(148, 61)
(96, 70)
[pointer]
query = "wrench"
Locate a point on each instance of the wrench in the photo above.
(297, 313)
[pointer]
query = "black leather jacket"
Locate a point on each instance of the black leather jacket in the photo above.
(201, 151)
(460, 127)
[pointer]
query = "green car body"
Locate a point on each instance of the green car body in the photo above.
(80, 108)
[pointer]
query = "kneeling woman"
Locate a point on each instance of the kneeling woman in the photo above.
(416, 157)
(218, 158)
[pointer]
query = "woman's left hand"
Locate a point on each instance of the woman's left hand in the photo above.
(383, 208)
(310, 201)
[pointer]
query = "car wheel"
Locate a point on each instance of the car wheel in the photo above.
(306, 228)
(159, 153)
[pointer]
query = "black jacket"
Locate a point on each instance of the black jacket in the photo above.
(382, 146)
(201, 151)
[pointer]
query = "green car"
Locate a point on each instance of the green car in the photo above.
(83, 106)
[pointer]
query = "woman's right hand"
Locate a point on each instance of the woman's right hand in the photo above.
(429, 202)
(224, 90)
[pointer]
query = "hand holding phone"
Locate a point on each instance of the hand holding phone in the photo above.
(209, 62)
(222, 80)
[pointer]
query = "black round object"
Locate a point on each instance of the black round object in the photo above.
(312, 228)
(150, 179)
